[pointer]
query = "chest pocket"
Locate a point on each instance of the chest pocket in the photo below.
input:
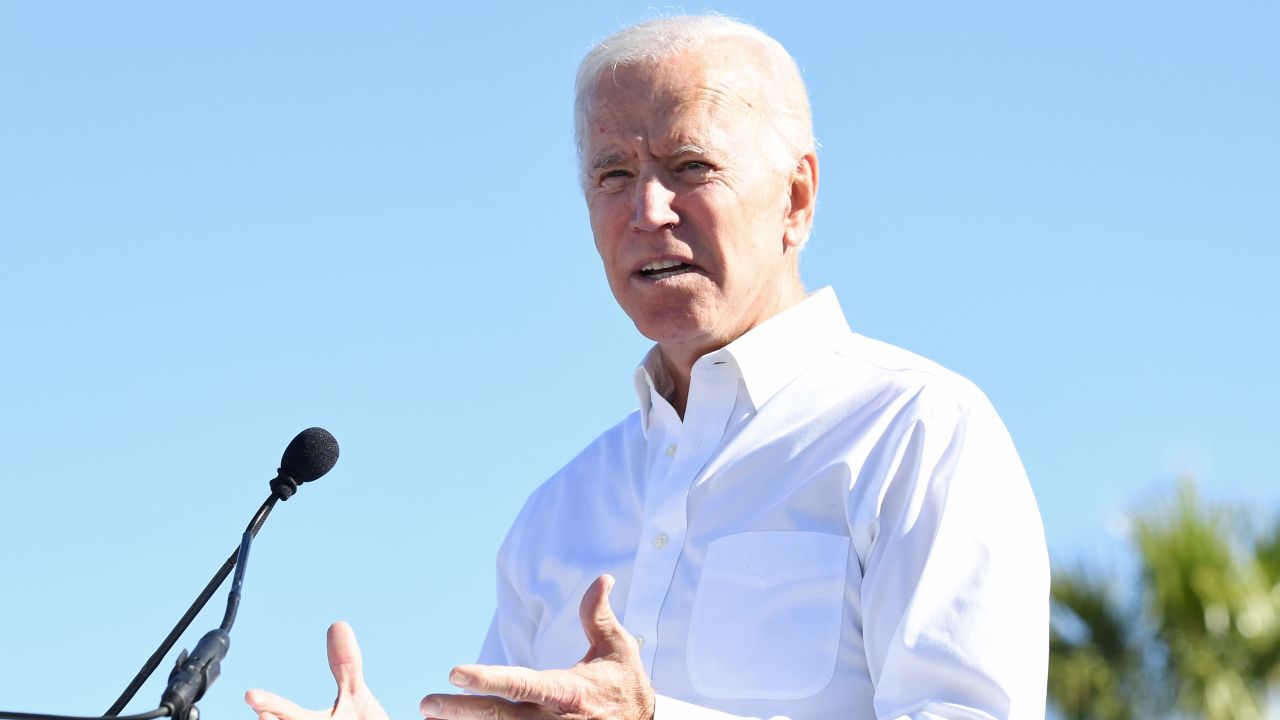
(766, 615)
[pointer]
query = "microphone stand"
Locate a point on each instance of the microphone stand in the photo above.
(185, 621)
(310, 454)
(153, 715)
(201, 668)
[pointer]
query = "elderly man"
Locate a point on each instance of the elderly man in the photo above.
(799, 521)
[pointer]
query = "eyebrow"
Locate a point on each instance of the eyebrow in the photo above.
(603, 161)
(609, 159)
(689, 149)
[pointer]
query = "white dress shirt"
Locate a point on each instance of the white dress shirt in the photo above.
(837, 529)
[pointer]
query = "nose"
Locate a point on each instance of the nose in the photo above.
(653, 209)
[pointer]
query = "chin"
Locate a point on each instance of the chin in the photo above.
(673, 332)
(678, 321)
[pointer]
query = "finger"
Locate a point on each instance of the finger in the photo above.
(473, 707)
(600, 625)
(344, 658)
(554, 688)
(269, 704)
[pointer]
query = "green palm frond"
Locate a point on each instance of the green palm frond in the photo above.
(1198, 636)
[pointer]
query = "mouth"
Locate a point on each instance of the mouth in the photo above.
(663, 269)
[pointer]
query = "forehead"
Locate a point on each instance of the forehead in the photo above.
(696, 97)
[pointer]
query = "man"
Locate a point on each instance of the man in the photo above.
(799, 521)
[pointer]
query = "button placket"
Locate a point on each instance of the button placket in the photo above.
(655, 565)
(685, 452)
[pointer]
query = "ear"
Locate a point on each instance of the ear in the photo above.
(802, 200)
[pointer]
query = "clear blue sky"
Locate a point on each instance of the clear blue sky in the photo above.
(222, 223)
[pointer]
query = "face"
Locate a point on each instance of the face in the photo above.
(694, 217)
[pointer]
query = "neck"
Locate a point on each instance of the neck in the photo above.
(678, 358)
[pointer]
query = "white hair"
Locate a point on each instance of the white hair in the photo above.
(650, 42)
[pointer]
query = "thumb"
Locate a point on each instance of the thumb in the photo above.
(344, 658)
(603, 631)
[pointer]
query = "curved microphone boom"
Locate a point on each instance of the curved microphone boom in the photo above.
(312, 453)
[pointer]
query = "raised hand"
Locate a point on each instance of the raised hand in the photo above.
(355, 700)
(608, 683)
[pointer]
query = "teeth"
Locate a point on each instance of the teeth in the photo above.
(670, 273)
(660, 265)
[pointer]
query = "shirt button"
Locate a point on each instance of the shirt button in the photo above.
(660, 540)
(671, 450)
(640, 641)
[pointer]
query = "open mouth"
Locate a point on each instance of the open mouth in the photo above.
(664, 269)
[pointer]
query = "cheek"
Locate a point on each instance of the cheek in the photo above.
(706, 211)
(610, 217)
(598, 217)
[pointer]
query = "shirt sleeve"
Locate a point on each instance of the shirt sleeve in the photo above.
(510, 637)
(956, 588)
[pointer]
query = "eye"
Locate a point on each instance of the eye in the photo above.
(612, 180)
(696, 171)
(613, 177)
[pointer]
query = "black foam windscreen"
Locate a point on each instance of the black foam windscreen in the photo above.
(310, 455)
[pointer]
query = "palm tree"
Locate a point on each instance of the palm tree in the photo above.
(1097, 664)
(1198, 636)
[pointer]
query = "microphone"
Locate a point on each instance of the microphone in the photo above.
(310, 455)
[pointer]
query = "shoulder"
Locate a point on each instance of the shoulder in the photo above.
(611, 451)
(607, 466)
(887, 369)
(883, 409)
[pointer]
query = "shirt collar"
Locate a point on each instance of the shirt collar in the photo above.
(767, 357)
(650, 379)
